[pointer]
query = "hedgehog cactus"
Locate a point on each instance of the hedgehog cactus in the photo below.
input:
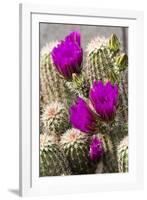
(124, 95)
(52, 160)
(113, 43)
(122, 153)
(90, 97)
(98, 66)
(104, 59)
(51, 84)
(99, 61)
(55, 118)
(109, 157)
(76, 145)
(78, 86)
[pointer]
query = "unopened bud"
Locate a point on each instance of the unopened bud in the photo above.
(76, 79)
(114, 43)
(122, 62)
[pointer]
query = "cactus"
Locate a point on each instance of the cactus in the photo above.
(123, 86)
(76, 147)
(51, 84)
(118, 131)
(65, 150)
(105, 60)
(122, 153)
(122, 61)
(52, 160)
(113, 43)
(96, 43)
(100, 62)
(109, 158)
(101, 66)
(55, 118)
(99, 167)
(78, 86)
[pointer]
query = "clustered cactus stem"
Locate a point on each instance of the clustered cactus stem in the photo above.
(78, 86)
(51, 84)
(52, 159)
(109, 157)
(83, 107)
(123, 155)
(76, 146)
(55, 118)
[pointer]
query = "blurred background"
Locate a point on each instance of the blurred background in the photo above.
(51, 32)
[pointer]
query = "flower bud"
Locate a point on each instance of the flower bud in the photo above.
(122, 62)
(96, 149)
(77, 80)
(114, 43)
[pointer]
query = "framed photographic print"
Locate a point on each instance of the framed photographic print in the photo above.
(81, 100)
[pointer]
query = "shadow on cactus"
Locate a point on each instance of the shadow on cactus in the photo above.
(83, 105)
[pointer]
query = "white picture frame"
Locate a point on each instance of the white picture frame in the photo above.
(30, 182)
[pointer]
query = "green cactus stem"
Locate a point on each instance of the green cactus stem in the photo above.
(55, 118)
(105, 60)
(122, 62)
(122, 153)
(76, 147)
(51, 84)
(109, 158)
(113, 43)
(52, 159)
(78, 86)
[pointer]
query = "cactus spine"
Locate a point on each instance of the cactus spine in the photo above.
(52, 160)
(124, 95)
(100, 62)
(76, 147)
(109, 158)
(51, 84)
(123, 155)
(78, 86)
(105, 60)
(55, 118)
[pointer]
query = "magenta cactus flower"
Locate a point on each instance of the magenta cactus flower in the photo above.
(74, 37)
(96, 149)
(82, 117)
(104, 98)
(68, 55)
